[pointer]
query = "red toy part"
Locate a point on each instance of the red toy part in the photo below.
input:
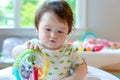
(35, 73)
(98, 47)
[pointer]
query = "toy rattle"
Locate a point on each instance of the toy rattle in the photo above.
(31, 65)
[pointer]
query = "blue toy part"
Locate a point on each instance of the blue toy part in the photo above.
(16, 73)
(88, 34)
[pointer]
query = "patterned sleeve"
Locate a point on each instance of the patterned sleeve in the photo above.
(76, 59)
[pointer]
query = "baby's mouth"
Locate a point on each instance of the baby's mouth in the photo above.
(53, 41)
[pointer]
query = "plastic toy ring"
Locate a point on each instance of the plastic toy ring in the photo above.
(88, 34)
(31, 65)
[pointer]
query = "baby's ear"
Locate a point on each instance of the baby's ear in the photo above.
(37, 31)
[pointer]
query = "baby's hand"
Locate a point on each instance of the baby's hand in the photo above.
(32, 44)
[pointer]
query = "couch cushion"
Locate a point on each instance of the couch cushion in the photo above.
(8, 45)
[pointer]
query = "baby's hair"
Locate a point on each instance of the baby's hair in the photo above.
(60, 8)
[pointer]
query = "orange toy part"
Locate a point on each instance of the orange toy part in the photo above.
(89, 49)
(40, 71)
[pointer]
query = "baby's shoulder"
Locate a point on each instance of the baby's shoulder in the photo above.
(68, 45)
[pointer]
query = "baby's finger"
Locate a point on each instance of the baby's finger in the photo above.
(34, 44)
(29, 45)
(36, 47)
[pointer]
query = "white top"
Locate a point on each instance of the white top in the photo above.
(61, 61)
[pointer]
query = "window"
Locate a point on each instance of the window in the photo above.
(20, 13)
(28, 8)
(6, 13)
(72, 4)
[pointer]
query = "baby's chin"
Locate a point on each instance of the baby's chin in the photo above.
(51, 47)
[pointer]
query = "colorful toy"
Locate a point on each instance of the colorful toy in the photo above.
(78, 45)
(31, 65)
(91, 42)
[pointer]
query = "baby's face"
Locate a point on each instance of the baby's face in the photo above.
(52, 31)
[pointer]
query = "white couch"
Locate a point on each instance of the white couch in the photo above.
(8, 44)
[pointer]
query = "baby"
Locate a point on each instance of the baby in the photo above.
(53, 22)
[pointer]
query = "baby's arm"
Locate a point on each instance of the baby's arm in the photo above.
(79, 72)
(17, 50)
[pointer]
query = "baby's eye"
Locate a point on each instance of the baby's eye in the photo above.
(60, 31)
(48, 29)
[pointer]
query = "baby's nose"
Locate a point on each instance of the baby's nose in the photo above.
(54, 34)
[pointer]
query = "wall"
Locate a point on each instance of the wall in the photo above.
(104, 18)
